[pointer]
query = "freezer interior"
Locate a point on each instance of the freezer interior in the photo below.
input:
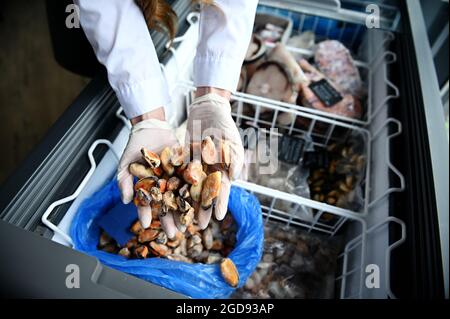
(363, 230)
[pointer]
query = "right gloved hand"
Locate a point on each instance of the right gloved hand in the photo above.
(154, 135)
(210, 115)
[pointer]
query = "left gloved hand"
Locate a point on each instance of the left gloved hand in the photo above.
(154, 135)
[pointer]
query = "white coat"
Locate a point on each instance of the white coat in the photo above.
(119, 35)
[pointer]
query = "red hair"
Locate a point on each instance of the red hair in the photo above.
(159, 15)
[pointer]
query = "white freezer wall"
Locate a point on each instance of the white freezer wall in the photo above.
(378, 241)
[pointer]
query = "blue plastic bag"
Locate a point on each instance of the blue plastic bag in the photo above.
(194, 280)
(116, 223)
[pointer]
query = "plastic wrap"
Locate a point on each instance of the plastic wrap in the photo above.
(336, 62)
(194, 280)
(338, 178)
(348, 106)
(295, 264)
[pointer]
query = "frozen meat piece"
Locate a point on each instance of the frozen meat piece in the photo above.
(336, 63)
(272, 80)
(349, 106)
(283, 56)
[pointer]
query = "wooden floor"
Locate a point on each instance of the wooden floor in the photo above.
(34, 89)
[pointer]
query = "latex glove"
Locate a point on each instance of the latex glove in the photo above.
(154, 135)
(209, 115)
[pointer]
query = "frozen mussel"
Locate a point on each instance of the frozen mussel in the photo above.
(196, 189)
(151, 158)
(187, 217)
(140, 171)
(302, 270)
(156, 194)
(177, 156)
(184, 192)
(165, 157)
(229, 272)
(142, 198)
(141, 252)
(170, 200)
(173, 183)
(193, 172)
(148, 235)
(209, 153)
(211, 189)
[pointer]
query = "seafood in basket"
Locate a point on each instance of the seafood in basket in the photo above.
(337, 180)
(332, 175)
(295, 264)
(286, 76)
(277, 78)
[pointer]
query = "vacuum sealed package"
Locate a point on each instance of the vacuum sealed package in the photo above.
(286, 174)
(335, 61)
(277, 79)
(337, 172)
(340, 103)
(295, 264)
(196, 280)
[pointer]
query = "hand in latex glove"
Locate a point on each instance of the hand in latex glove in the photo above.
(210, 115)
(153, 135)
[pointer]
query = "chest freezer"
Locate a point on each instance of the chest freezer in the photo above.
(401, 227)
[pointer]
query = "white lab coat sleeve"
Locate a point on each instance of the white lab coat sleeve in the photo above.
(224, 36)
(119, 35)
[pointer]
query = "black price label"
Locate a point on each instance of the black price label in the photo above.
(325, 92)
(290, 149)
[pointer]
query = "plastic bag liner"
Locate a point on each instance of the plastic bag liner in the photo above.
(194, 280)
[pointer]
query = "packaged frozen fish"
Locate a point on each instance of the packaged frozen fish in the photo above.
(335, 61)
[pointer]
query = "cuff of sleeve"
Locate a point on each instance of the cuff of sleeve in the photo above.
(218, 72)
(143, 96)
(151, 124)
